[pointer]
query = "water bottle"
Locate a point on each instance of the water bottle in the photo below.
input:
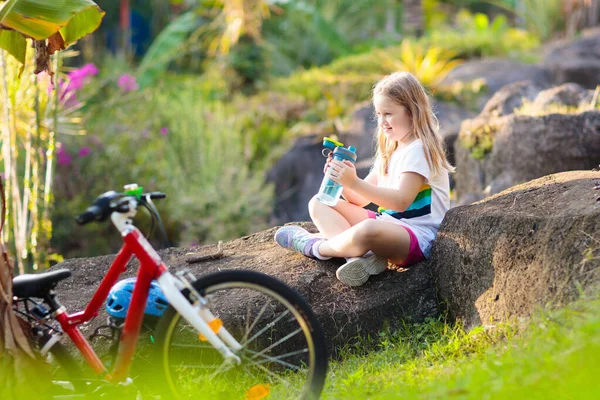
(330, 191)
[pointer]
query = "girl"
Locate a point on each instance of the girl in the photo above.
(409, 181)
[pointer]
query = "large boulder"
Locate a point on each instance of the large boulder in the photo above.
(450, 116)
(576, 61)
(297, 175)
(511, 97)
(385, 300)
(497, 73)
(499, 148)
(532, 245)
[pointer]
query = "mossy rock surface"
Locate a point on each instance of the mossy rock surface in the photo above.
(533, 245)
(519, 136)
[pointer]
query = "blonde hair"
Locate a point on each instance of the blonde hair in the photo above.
(404, 89)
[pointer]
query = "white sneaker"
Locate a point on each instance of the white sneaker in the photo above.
(357, 270)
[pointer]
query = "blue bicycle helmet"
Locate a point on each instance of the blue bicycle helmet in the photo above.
(120, 295)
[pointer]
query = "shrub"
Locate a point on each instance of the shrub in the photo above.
(217, 195)
(169, 138)
(476, 36)
(333, 90)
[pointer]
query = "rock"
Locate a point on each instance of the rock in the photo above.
(497, 150)
(519, 250)
(297, 177)
(298, 174)
(510, 97)
(497, 72)
(385, 300)
(450, 117)
(577, 61)
(569, 94)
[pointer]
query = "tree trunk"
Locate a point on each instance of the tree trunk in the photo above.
(125, 25)
(580, 14)
(412, 16)
(20, 375)
(593, 13)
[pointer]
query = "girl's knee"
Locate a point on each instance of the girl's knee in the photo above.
(315, 205)
(367, 232)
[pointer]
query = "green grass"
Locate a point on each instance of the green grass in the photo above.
(554, 356)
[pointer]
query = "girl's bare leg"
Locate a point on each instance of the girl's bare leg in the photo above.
(332, 221)
(383, 238)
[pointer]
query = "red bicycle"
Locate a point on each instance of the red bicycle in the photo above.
(236, 332)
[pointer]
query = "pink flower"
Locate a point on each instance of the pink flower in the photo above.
(89, 70)
(63, 157)
(164, 131)
(127, 83)
(80, 76)
(84, 151)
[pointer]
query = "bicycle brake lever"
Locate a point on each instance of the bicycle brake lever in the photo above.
(122, 206)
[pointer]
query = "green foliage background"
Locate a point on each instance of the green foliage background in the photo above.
(205, 128)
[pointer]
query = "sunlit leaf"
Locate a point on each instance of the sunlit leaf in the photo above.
(81, 25)
(14, 43)
(40, 19)
(481, 21)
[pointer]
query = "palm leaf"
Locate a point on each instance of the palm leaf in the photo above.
(166, 47)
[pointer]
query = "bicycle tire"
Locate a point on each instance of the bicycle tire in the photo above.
(172, 328)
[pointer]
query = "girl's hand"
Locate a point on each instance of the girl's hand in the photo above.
(329, 158)
(343, 173)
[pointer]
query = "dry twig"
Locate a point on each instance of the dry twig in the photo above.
(207, 257)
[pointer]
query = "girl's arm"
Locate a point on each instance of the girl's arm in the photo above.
(392, 199)
(355, 198)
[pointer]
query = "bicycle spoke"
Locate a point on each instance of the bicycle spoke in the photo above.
(267, 327)
(277, 377)
(277, 343)
(222, 368)
(196, 366)
(247, 327)
(266, 358)
(258, 316)
(195, 346)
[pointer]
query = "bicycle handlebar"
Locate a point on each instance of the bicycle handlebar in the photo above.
(90, 214)
(105, 204)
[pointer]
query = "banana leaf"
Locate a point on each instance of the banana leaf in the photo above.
(14, 43)
(65, 20)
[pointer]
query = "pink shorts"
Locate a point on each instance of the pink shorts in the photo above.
(414, 251)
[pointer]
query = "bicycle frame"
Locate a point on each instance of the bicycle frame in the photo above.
(151, 267)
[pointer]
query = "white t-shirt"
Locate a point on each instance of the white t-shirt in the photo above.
(425, 214)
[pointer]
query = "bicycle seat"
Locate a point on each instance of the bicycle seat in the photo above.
(38, 285)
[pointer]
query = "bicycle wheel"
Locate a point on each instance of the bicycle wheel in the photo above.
(283, 356)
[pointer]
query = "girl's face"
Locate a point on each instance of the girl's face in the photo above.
(393, 119)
